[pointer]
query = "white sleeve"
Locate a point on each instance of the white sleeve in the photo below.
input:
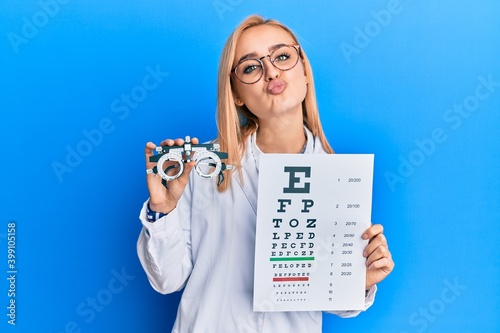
(370, 297)
(164, 248)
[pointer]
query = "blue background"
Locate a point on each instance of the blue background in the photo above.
(66, 67)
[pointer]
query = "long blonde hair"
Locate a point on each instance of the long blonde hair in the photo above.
(235, 123)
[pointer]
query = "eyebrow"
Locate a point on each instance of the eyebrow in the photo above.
(253, 55)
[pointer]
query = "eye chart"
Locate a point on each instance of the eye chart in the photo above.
(312, 211)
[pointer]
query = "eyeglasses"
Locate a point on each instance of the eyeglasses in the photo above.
(283, 58)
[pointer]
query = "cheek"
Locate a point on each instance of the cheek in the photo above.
(250, 94)
(300, 80)
(304, 87)
(243, 90)
(301, 87)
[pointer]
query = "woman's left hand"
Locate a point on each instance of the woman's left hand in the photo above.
(378, 257)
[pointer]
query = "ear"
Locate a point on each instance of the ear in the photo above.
(303, 63)
(237, 100)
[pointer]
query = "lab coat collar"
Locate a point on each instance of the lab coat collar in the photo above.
(250, 162)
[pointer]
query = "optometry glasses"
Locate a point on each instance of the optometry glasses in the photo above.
(284, 58)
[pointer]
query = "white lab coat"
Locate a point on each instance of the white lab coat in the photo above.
(206, 245)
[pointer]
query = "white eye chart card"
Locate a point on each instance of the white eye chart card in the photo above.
(312, 210)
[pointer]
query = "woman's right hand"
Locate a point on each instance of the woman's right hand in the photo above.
(161, 199)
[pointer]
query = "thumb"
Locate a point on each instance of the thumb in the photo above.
(184, 178)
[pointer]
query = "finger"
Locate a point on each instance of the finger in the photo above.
(385, 264)
(375, 242)
(177, 142)
(148, 152)
(171, 142)
(381, 252)
(176, 186)
(167, 142)
(373, 231)
(149, 148)
(184, 178)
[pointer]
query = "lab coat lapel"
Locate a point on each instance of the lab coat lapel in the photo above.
(249, 185)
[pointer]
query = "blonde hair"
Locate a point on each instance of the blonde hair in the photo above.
(235, 123)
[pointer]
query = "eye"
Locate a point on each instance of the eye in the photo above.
(247, 69)
(283, 56)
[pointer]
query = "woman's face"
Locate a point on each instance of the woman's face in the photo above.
(278, 93)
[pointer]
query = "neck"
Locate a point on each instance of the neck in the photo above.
(281, 137)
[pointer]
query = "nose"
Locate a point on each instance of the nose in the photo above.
(270, 72)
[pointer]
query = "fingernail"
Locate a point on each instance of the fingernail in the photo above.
(364, 236)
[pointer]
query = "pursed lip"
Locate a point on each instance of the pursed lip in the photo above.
(276, 86)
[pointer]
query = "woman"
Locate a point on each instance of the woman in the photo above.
(201, 237)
